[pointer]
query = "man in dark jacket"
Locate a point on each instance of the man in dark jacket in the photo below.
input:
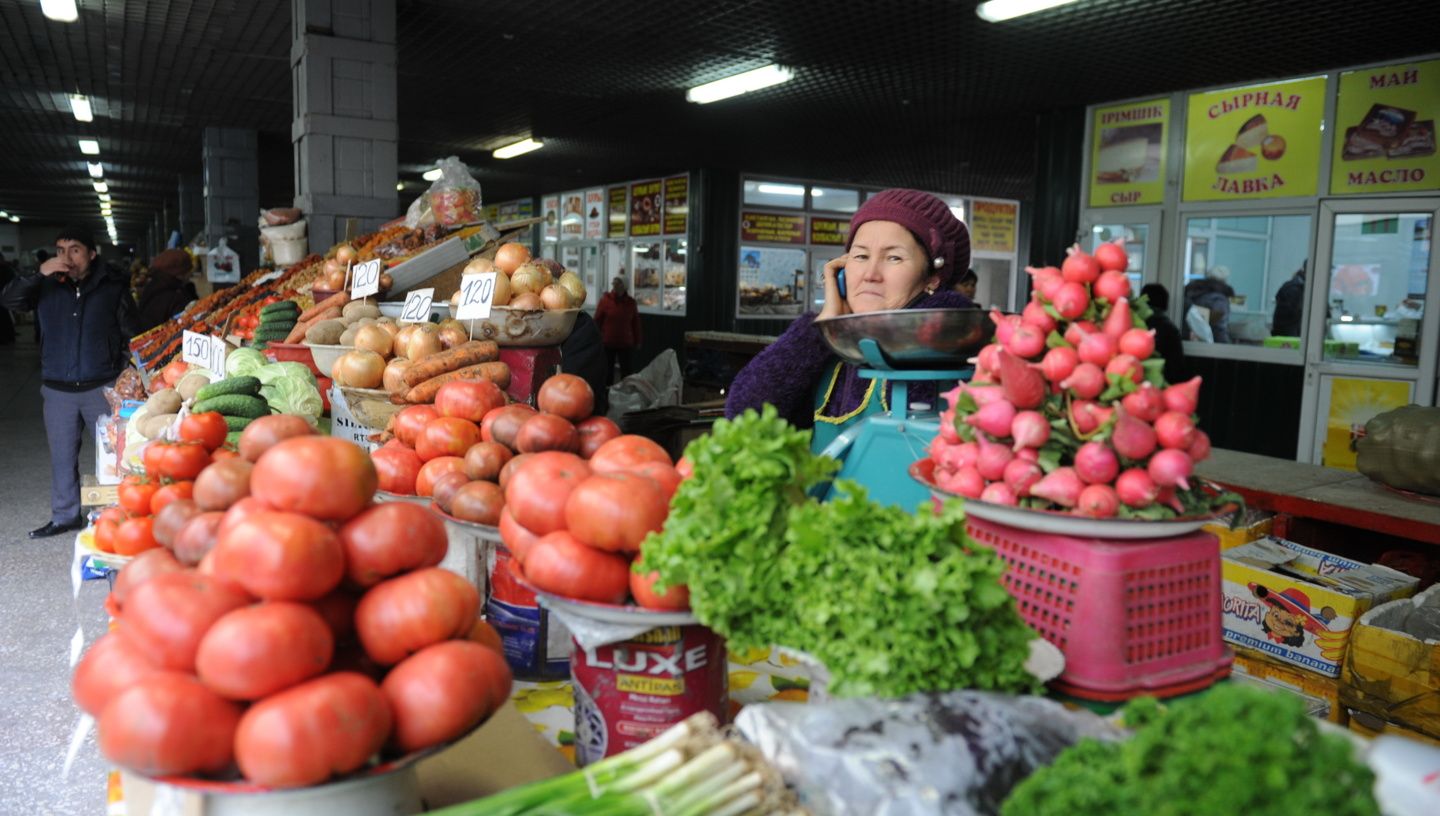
(1290, 306)
(86, 317)
(1212, 292)
(1167, 335)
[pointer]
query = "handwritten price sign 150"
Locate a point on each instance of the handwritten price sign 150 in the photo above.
(417, 306)
(204, 351)
(477, 291)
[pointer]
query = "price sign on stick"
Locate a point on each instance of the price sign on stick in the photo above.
(417, 306)
(365, 278)
(477, 290)
(204, 351)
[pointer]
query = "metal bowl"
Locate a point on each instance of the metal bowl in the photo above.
(910, 338)
(516, 327)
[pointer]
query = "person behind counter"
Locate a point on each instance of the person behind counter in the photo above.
(169, 289)
(1167, 334)
(904, 250)
(1211, 293)
(1289, 306)
(967, 284)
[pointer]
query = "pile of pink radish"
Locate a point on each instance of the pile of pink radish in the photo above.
(1068, 409)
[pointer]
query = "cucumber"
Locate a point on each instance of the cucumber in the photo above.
(232, 439)
(272, 333)
(229, 385)
(234, 405)
(238, 423)
(278, 319)
(281, 307)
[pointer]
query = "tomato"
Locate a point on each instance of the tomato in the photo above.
(170, 493)
(169, 724)
(110, 666)
(150, 458)
(391, 538)
(396, 468)
(241, 510)
(405, 614)
(223, 483)
(258, 650)
(478, 502)
(443, 691)
(662, 474)
(517, 539)
(281, 557)
(197, 538)
(446, 436)
(685, 468)
(501, 424)
(485, 635)
(264, 433)
(338, 611)
(594, 432)
(512, 467)
(172, 372)
(324, 727)
(411, 420)
(208, 429)
(114, 514)
(182, 460)
(432, 470)
(135, 536)
(485, 459)
(146, 565)
(445, 487)
(627, 452)
(166, 616)
(221, 454)
(135, 496)
(547, 432)
(104, 536)
(642, 586)
(321, 476)
(615, 511)
(537, 492)
(568, 396)
(171, 518)
(561, 564)
(468, 399)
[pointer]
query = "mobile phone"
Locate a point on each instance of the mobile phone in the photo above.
(840, 282)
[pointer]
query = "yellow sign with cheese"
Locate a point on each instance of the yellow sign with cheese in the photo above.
(1385, 130)
(1127, 153)
(1256, 142)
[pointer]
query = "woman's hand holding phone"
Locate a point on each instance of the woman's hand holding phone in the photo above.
(835, 302)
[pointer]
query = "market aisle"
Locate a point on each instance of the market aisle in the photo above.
(37, 615)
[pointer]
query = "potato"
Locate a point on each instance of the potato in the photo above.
(164, 401)
(190, 384)
(151, 427)
(347, 337)
(359, 308)
(325, 333)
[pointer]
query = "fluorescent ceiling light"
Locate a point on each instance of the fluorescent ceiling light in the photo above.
(399, 185)
(100, 186)
(14, 219)
(519, 148)
(96, 170)
(431, 174)
(4, 214)
(90, 147)
(104, 196)
(81, 106)
(771, 74)
(782, 189)
(998, 10)
(61, 11)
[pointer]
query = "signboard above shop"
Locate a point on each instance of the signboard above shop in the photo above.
(993, 225)
(1256, 142)
(1127, 155)
(1385, 130)
(645, 208)
(772, 228)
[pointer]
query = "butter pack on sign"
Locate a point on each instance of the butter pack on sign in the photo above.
(1299, 604)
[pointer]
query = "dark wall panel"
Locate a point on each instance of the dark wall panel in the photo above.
(1250, 406)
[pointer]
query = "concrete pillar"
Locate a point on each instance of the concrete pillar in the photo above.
(191, 189)
(232, 192)
(344, 131)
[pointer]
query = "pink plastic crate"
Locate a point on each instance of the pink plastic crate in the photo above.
(1138, 617)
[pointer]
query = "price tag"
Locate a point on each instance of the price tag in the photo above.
(477, 290)
(417, 306)
(365, 278)
(204, 351)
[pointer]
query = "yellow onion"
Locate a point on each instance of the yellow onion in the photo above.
(394, 377)
(528, 302)
(573, 286)
(373, 337)
(450, 337)
(529, 278)
(554, 298)
(509, 257)
(346, 254)
(480, 265)
(359, 369)
(423, 343)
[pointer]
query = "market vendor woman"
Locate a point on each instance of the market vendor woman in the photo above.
(904, 249)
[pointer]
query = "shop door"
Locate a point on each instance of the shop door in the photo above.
(1371, 340)
(592, 274)
(1141, 230)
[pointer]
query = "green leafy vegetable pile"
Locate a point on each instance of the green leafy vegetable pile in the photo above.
(1235, 749)
(892, 602)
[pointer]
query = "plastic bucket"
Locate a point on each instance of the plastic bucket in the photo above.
(537, 645)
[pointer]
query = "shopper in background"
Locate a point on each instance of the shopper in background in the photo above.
(583, 354)
(85, 317)
(967, 283)
(618, 317)
(139, 276)
(7, 322)
(1167, 334)
(1289, 306)
(169, 290)
(1212, 293)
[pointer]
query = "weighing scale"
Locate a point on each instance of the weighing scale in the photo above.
(900, 347)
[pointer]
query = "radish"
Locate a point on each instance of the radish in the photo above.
(983, 395)
(987, 358)
(1058, 363)
(1061, 486)
(1028, 454)
(1004, 325)
(1021, 475)
(1112, 286)
(966, 481)
(992, 459)
(1097, 349)
(953, 394)
(1047, 285)
(1098, 501)
(948, 431)
(1095, 463)
(1133, 438)
(1035, 315)
(1089, 416)
(1080, 266)
(1027, 340)
(1167, 497)
(1175, 430)
(1112, 256)
(1071, 300)
(955, 457)
(981, 375)
(1136, 488)
(1183, 397)
(1200, 449)
(1029, 429)
(993, 419)
(1138, 343)
(1077, 331)
(1171, 468)
(1023, 385)
(1119, 320)
(1086, 381)
(999, 493)
(1125, 365)
(1144, 403)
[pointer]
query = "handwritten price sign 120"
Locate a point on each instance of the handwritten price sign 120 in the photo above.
(477, 291)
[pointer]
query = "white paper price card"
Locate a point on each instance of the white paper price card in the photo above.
(365, 278)
(417, 306)
(477, 290)
(204, 351)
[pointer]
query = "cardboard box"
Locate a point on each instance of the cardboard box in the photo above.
(1298, 604)
(1253, 526)
(1370, 727)
(1325, 690)
(1393, 668)
(107, 459)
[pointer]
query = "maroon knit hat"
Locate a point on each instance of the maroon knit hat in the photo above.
(943, 237)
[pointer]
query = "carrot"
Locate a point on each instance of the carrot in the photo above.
(495, 372)
(339, 299)
(466, 354)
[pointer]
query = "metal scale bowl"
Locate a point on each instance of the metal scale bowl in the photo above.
(900, 347)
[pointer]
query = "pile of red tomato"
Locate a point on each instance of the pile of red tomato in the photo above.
(288, 628)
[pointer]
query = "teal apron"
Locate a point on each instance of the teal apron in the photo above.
(827, 428)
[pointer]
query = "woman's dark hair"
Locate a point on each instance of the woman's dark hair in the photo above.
(1157, 296)
(968, 276)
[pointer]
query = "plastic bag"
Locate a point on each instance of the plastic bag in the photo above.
(1197, 319)
(452, 200)
(958, 753)
(655, 386)
(222, 264)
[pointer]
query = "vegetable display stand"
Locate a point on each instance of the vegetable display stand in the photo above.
(537, 646)
(469, 548)
(530, 367)
(1132, 617)
(381, 792)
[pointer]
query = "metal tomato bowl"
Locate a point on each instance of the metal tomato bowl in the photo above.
(910, 338)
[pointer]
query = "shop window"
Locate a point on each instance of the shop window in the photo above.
(772, 281)
(1376, 298)
(645, 280)
(1244, 280)
(775, 194)
(676, 251)
(834, 199)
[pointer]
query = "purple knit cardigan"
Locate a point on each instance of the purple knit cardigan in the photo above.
(787, 372)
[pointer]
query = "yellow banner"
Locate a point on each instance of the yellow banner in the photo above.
(992, 225)
(1354, 402)
(1385, 130)
(1127, 153)
(1261, 141)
